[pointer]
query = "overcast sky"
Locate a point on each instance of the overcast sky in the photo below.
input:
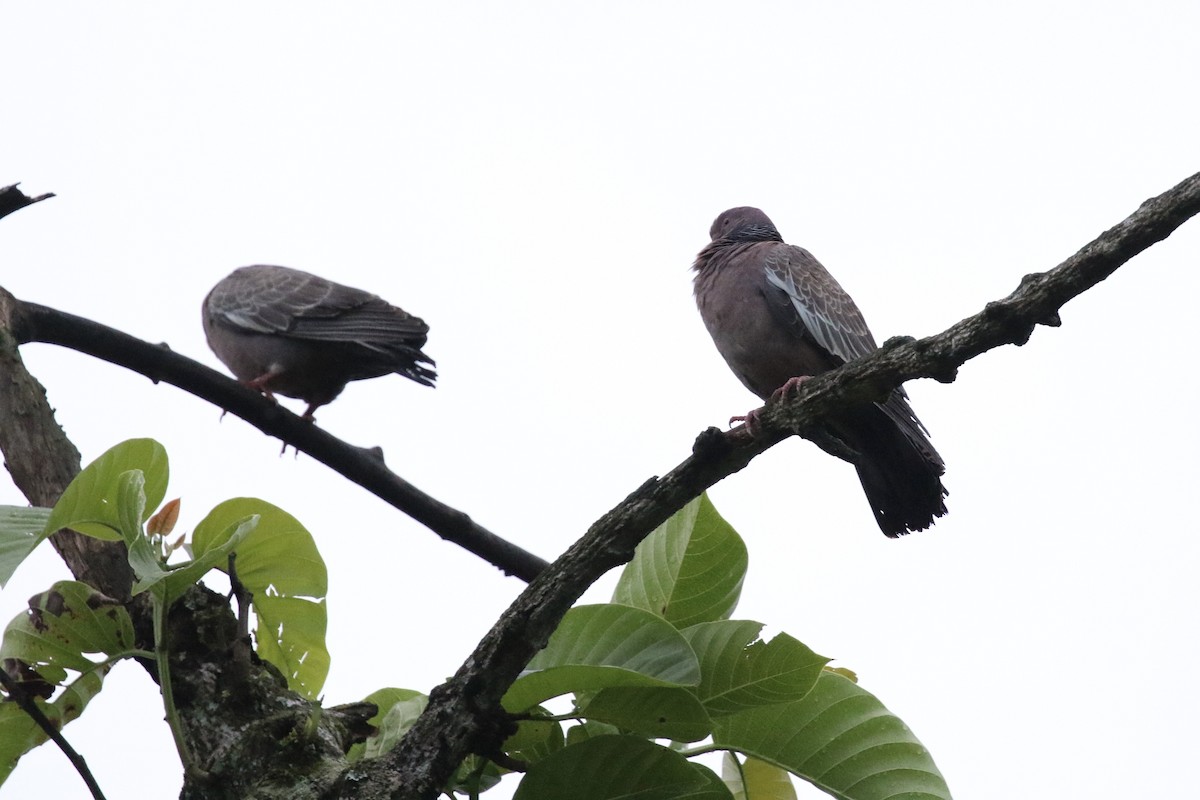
(534, 180)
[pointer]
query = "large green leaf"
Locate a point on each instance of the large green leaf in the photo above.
(90, 504)
(281, 553)
(589, 729)
(612, 768)
(713, 788)
(290, 633)
(659, 712)
(21, 529)
(740, 671)
(753, 779)
(52, 637)
(64, 623)
(279, 565)
(841, 739)
(599, 646)
(689, 570)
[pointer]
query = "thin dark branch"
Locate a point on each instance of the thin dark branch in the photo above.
(461, 715)
(30, 707)
(13, 199)
(36, 323)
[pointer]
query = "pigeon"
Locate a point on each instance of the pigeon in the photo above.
(777, 317)
(284, 331)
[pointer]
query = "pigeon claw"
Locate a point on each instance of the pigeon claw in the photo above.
(751, 422)
(751, 419)
(259, 385)
(789, 388)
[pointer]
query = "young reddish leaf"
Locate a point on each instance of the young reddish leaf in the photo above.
(162, 523)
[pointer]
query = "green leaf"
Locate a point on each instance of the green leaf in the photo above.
(143, 556)
(589, 729)
(756, 780)
(172, 581)
(131, 504)
(659, 712)
(845, 672)
(535, 738)
(64, 623)
(841, 739)
(280, 566)
(474, 775)
(53, 636)
(599, 646)
(689, 570)
(612, 768)
(398, 718)
(21, 530)
(89, 505)
(713, 789)
(290, 633)
(281, 553)
(383, 699)
(741, 671)
(387, 697)
(19, 733)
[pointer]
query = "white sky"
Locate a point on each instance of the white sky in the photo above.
(534, 181)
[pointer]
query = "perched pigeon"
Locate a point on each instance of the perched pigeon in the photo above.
(284, 331)
(775, 315)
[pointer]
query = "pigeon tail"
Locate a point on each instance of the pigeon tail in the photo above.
(901, 478)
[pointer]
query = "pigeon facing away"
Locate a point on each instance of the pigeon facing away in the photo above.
(283, 331)
(776, 314)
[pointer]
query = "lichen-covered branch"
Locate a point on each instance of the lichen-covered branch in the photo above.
(462, 713)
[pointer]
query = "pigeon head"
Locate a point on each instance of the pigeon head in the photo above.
(744, 224)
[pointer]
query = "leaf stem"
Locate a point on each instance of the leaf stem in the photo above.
(573, 716)
(702, 749)
(161, 659)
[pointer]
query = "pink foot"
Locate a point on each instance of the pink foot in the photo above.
(751, 421)
(261, 384)
(790, 388)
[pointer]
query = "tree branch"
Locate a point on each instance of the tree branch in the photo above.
(463, 713)
(31, 322)
(13, 199)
